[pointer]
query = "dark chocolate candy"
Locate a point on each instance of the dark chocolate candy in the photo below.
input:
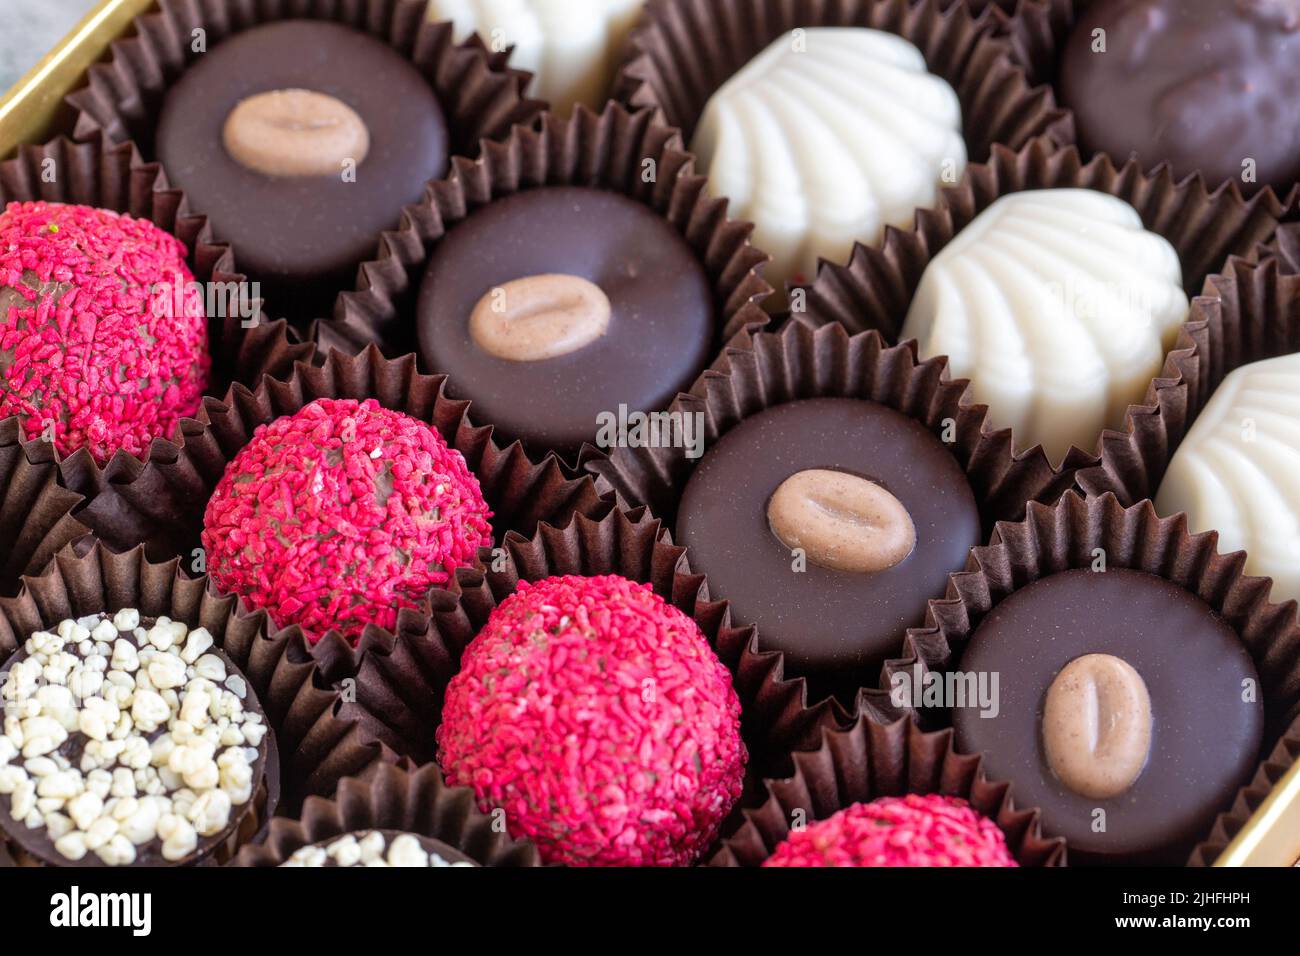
(1205, 739)
(1204, 84)
(304, 236)
(836, 627)
(660, 333)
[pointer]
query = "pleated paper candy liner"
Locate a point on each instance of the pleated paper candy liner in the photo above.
(480, 95)
(875, 289)
(162, 506)
(315, 747)
(391, 798)
(100, 173)
(1067, 536)
(36, 512)
(682, 51)
(1232, 821)
(868, 761)
(609, 151)
(400, 684)
(1249, 313)
(1035, 28)
(1286, 245)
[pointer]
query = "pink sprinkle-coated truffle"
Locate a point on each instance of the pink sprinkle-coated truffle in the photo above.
(914, 830)
(103, 343)
(599, 719)
(340, 514)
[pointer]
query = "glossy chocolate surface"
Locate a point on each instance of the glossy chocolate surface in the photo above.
(1205, 739)
(661, 327)
(303, 237)
(837, 627)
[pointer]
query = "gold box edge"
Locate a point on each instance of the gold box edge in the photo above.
(29, 110)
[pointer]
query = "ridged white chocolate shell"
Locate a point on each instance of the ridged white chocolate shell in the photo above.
(1058, 306)
(1238, 471)
(570, 46)
(826, 137)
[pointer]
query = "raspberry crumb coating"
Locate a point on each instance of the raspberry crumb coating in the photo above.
(915, 830)
(599, 719)
(103, 341)
(339, 515)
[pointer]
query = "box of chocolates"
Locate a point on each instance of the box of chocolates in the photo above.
(665, 433)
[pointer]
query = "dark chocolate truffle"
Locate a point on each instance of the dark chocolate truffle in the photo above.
(624, 316)
(1204, 716)
(835, 626)
(302, 235)
(1203, 84)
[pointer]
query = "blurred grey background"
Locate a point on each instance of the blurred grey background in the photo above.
(28, 28)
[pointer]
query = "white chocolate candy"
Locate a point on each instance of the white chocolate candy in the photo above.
(1235, 471)
(570, 46)
(826, 137)
(1058, 306)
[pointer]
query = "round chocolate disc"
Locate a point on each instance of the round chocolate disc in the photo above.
(1206, 718)
(835, 626)
(657, 339)
(1207, 85)
(302, 236)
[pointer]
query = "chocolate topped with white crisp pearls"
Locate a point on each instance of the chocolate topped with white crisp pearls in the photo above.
(378, 848)
(127, 741)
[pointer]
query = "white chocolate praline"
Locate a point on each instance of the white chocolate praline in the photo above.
(1058, 306)
(369, 848)
(162, 752)
(570, 46)
(1235, 471)
(826, 137)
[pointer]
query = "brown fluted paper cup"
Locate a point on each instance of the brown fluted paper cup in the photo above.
(36, 513)
(1051, 540)
(312, 748)
(1035, 28)
(865, 762)
(390, 798)
(1232, 821)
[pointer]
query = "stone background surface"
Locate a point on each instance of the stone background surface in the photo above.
(28, 28)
